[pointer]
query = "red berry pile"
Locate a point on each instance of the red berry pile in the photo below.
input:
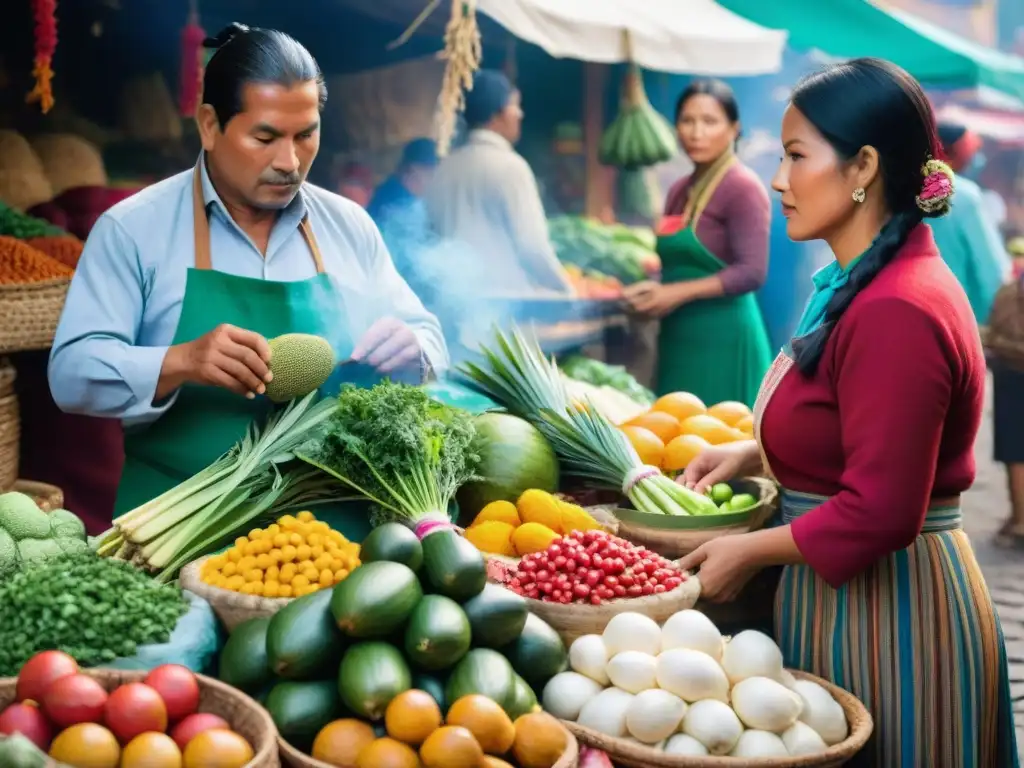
(592, 567)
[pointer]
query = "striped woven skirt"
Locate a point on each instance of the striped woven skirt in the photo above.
(915, 638)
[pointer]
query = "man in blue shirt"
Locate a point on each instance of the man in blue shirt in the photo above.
(180, 286)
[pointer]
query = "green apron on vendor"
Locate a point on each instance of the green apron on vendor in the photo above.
(232, 243)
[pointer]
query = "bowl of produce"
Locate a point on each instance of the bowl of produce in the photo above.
(680, 695)
(415, 616)
(474, 731)
(581, 581)
(131, 719)
(261, 572)
(744, 505)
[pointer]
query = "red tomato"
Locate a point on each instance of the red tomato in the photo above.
(41, 670)
(28, 720)
(178, 687)
(193, 725)
(74, 699)
(133, 709)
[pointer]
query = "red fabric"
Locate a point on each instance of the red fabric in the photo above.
(735, 226)
(889, 420)
(52, 213)
(670, 225)
(81, 455)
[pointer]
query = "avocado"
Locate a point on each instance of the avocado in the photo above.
(303, 641)
(243, 662)
(301, 710)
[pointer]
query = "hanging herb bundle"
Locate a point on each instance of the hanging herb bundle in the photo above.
(192, 58)
(44, 14)
(463, 51)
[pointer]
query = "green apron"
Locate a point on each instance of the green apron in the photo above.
(718, 348)
(205, 422)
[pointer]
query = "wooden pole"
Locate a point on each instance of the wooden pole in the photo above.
(598, 179)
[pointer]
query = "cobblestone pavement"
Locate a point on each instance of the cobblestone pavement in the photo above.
(986, 506)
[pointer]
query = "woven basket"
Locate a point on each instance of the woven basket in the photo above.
(47, 497)
(626, 753)
(244, 715)
(10, 439)
(290, 756)
(7, 376)
(674, 543)
(577, 619)
(232, 608)
(29, 314)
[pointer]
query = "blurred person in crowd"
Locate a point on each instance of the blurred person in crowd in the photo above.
(868, 422)
(713, 243)
(968, 237)
(180, 287)
(485, 195)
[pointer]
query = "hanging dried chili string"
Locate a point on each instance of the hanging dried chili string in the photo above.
(192, 60)
(44, 13)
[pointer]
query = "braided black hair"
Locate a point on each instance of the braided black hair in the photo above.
(860, 103)
(252, 55)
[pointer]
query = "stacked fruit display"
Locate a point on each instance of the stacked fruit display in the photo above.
(413, 616)
(154, 723)
(679, 426)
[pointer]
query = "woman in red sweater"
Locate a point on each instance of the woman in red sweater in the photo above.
(868, 422)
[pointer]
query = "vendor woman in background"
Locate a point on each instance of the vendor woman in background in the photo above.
(868, 422)
(713, 243)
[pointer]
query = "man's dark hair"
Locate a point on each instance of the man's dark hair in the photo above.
(245, 55)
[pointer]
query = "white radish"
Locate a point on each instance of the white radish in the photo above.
(692, 675)
(801, 739)
(692, 629)
(567, 692)
(588, 656)
(759, 744)
(714, 725)
(606, 712)
(632, 632)
(751, 654)
(654, 715)
(822, 712)
(765, 705)
(633, 671)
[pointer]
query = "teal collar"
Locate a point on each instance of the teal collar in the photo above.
(827, 282)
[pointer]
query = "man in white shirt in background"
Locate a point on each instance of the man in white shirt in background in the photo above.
(485, 195)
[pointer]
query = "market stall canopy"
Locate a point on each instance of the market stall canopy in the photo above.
(696, 37)
(852, 28)
(1001, 127)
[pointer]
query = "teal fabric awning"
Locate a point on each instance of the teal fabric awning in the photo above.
(852, 28)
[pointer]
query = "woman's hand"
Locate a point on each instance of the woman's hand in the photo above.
(655, 299)
(726, 565)
(720, 464)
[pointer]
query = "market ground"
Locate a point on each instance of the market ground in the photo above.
(986, 506)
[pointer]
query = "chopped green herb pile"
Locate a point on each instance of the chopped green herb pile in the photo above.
(94, 609)
(396, 447)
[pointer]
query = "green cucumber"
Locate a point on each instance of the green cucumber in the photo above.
(453, 567)
(522, 700)
(303, 640)
(497, 616)
(300, 710)
(481, 671)
(432, 684)
(243, 661)
(371, 675)
(538, 654)
(375, 599)
(392, 542)
(438, 633)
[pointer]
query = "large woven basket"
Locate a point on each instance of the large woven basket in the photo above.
(47, 497)
(29, 314)
(10, 440)
(232, 608)
(290, 756)
(628, 753)
(244, 715)
(676, 542)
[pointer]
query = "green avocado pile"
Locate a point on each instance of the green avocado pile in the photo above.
(28, 534)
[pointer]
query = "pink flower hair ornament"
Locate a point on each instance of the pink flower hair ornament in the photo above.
(936, 197)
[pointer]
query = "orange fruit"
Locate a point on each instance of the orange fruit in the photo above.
(218, 749)
(715, 431)
(647, 444)
(451, 747)
(151, 750)
(388, 753)
(664, 425)
(745, 425)
(730, 412)
(340, 742)
(540, 740)
(486, 720)
(412, 716)
(682, 450)
(86, 745)
(682, 405)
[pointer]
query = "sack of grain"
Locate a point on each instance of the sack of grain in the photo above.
(70, 161)
(148, 113)
(23, 183)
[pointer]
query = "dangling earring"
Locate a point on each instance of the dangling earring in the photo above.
(859, 195)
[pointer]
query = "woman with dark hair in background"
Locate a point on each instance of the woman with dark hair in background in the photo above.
(868, 422)
(713, 243)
